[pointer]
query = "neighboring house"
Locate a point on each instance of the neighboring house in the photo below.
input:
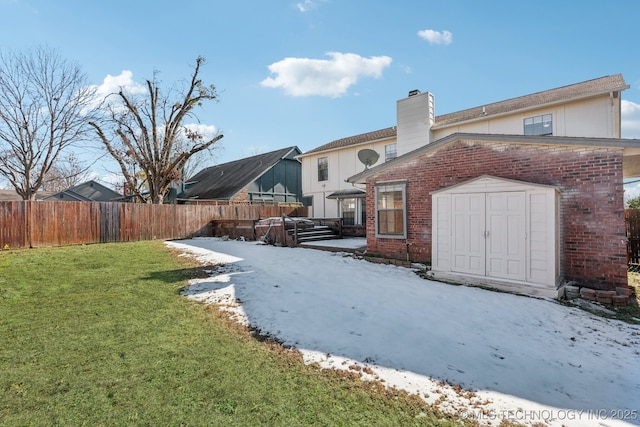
(90, 191)
(523, 194)
(268, 178)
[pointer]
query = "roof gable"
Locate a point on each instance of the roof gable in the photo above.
(95, 191)
(222, 182)
(90, 191)
(485, 182)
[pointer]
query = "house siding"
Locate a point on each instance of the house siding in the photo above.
(241, 197)
(592, 225)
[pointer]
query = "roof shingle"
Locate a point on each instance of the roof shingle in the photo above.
(357, 139)
(222, 182)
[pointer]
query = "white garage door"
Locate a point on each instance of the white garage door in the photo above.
(496, 228)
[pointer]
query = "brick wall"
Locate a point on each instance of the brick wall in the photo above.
(241, 196)
(592, 224)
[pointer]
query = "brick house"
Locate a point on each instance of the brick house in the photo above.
(524, 194)
(517, 212)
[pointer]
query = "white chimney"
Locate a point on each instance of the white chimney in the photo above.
(415, 116)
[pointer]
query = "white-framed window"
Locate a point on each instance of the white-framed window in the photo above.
(348, 207)
(390, 152)
(391, 210)
(539, 125)
(323, 169)
(353, 211)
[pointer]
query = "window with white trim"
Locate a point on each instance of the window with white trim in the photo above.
(538, 125)
(353, 211)
(391, 210)
(390, 152)
(323, 169)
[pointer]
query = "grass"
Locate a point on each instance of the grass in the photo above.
(99, 336)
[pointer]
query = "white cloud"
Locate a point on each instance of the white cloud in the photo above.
(305, 6)
(308, 5)
(630, 119)
(324, 77)
(436, 37)
(113, 84)
(124, 80)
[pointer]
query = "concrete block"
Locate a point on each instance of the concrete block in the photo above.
(588, 294)
(624, 291)
(620, 300)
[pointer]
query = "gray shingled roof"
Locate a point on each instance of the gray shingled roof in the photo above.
(90, 191)
(222, 182)
(357, 139)
(575, 91)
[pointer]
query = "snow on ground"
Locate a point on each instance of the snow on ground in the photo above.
(483, 354)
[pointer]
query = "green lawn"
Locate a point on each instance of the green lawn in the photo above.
(98, 335)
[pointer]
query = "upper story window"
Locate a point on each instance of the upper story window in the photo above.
(323, 169)
(390, 152)
(538, 125)
(391, 210)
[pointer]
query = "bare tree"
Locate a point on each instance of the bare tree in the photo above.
(67, 172)
(148, 139)
(45, 105)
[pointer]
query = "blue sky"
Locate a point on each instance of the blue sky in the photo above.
(310, 71)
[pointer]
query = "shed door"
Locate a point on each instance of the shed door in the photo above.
(468, 245)
(488, 234)
(505, 235)
(497, 228)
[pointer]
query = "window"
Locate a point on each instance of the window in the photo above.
(390, 210)
(390, 152)
(348, 211)
(353, 211)
(323, 169)
(538, 125)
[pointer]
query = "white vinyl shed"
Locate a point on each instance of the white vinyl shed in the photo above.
(499, 232)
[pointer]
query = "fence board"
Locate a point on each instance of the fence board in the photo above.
(26, 224)
(13, 227)
(632, 220)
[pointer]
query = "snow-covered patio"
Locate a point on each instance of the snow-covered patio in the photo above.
(524, 359)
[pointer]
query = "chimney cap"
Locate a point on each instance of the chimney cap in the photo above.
(414, 92)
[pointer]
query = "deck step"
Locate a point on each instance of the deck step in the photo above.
(317, 238)
(315, 234)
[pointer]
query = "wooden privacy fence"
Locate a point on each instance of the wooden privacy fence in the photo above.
(26, 224)
(632, 220)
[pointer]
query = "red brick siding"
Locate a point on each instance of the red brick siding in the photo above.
(241, 196)
(592, 224)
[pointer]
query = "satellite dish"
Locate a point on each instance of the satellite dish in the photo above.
(368, 157)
